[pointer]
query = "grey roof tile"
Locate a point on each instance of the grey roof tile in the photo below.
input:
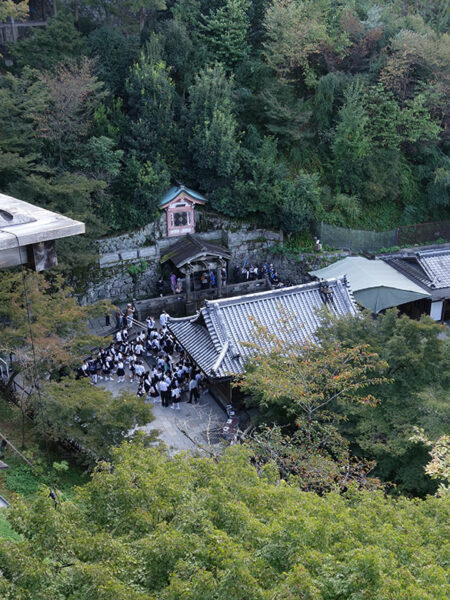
(429, 268)
(436, 264)
(191, 247)
(230, 320)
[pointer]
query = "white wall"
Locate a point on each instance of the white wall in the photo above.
(436, 310)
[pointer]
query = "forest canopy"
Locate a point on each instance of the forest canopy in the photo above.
(159, 527)
(280, 112)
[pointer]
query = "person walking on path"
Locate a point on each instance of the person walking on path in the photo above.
(193, 391)
(176, 393)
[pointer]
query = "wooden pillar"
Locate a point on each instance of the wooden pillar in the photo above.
(188, 286)
(219, 281)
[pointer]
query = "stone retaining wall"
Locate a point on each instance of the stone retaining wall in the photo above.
(117, 283)
(121, 258)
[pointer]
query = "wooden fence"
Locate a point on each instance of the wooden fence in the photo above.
(10, 32)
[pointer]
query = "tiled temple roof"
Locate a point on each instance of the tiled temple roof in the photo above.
(215, 338)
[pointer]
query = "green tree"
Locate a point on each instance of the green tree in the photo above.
(114, 54)
(351, 145)
(213, 139)
(300, 202)
(264, 173)
(56, 334)
(297, 380)
(288, 114)
(20, 98)
(296, 33)
(153, 526)
(16, 10)
(91, 417)
(317, 461)
(180, 52)
(99, 159)
(225, 32)
(59, 41)
(143, 182)
(151, 98)
(417, 394)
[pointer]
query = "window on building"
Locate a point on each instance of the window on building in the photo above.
(180, 219)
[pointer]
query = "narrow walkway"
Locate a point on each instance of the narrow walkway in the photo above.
(97, 326)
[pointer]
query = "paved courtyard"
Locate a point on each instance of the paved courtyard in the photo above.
(199, 421)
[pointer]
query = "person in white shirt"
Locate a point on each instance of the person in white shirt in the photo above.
(120, 372)
(85, 369)
(163, 387)
(163, 319)
(193, 391)
(139, 368)
(176, 393)
(199, 380)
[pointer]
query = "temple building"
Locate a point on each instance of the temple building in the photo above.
(375, 284)
(191, 256)
(215, 337)
(429, 268)
(179, 203)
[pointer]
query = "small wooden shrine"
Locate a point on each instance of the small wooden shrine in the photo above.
(179, 203)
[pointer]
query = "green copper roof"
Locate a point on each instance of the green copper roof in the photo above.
(176, 190)
(373, 285)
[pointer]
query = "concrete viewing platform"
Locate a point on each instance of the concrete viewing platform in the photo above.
(28, 233)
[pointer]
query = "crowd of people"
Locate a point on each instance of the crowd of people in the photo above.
(208, 279)
(152, 359)
(253, 271)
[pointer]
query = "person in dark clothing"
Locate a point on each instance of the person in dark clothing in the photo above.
(3, 445)
(193, 391)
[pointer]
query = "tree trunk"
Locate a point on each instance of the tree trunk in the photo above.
(141, 19)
